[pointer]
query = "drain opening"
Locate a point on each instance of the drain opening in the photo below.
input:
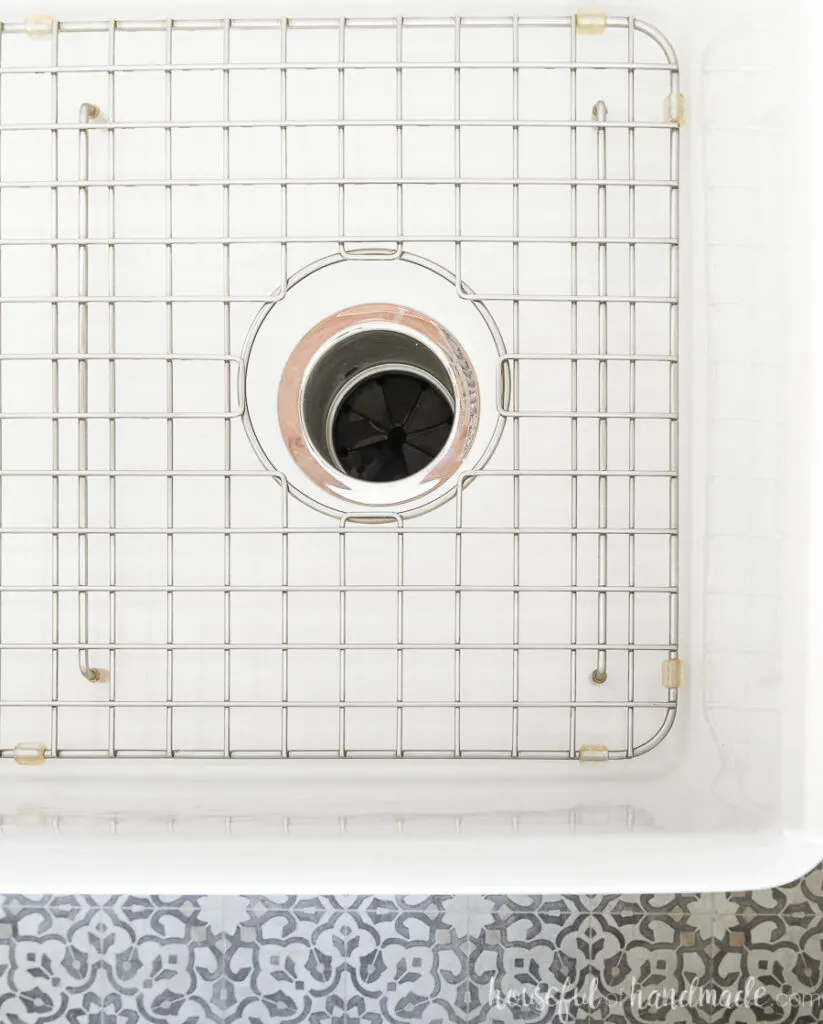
(378, 404)
(390, 425)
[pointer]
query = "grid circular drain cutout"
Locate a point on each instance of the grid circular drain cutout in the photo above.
(312, 358)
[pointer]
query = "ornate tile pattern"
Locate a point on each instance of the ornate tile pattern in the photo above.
(723, 958)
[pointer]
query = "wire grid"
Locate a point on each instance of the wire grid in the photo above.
(140, 534)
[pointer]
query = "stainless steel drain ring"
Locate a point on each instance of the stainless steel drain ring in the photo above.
(351, 344)
(307, 348)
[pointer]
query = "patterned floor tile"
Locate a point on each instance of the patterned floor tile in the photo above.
(412, 968)
(49, 956)
(285, 961)
(542, 905)
(429, 904)
(528, 961)
(163, 959)
(651, 903)
(771, 968)
(803, 896)
(651, 967)
(329, 904)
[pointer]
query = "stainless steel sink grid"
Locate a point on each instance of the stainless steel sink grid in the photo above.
(164, 592)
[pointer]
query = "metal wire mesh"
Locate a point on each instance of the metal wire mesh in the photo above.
(220, 616)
